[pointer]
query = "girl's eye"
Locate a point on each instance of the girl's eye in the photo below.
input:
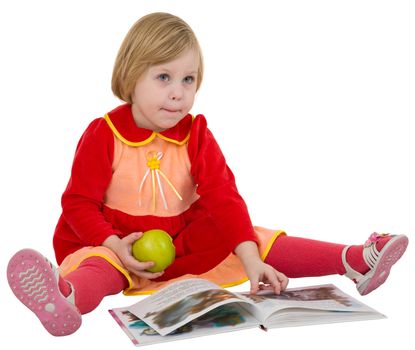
(189, 80)
(163, 77)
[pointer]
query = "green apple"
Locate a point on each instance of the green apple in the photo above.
(157, 246)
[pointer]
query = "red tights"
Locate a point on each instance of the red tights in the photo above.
(301, 257)
(95, 278)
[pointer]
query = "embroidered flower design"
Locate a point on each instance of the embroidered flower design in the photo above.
(153, 164)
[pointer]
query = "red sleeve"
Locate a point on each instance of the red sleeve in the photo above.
(91, 174)
(219, 195)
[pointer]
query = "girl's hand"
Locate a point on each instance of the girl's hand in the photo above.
(263, 276)
(123, 248)
(260, 274)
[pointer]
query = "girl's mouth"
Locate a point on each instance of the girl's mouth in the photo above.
(170, 110)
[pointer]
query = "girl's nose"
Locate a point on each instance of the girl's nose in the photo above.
(176, 92)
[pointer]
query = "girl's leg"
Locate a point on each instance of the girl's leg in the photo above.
(94, 279)
(300, 257)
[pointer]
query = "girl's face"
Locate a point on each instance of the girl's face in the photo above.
(165, 93)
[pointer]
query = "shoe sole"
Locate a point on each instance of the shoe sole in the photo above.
(33, 282)
(389, 255)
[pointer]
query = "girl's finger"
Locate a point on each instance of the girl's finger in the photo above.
(144, 265)
(285, 284)
(277, 288)
(149, 275)
(266, 287)
(281, 276)
(270, 277)
(254, 286)
(283, 280)
(135, 265)
(132, 237)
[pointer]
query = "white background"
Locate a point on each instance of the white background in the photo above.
(311, 101)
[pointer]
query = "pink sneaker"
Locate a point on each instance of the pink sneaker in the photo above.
(34, 281)
(380, 263)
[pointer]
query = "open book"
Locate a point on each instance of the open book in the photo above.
(196, 307)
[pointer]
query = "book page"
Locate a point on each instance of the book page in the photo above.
(323, 297)
(181, 302)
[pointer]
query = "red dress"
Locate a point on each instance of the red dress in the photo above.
(127, 179)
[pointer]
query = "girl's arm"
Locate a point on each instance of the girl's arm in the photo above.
(91, 174)
(219, 196)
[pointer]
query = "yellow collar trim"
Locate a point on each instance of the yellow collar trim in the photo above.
(148, 140)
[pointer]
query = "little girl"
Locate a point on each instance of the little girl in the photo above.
(150, 164)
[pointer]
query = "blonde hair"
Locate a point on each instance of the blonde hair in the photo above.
(154, 39)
